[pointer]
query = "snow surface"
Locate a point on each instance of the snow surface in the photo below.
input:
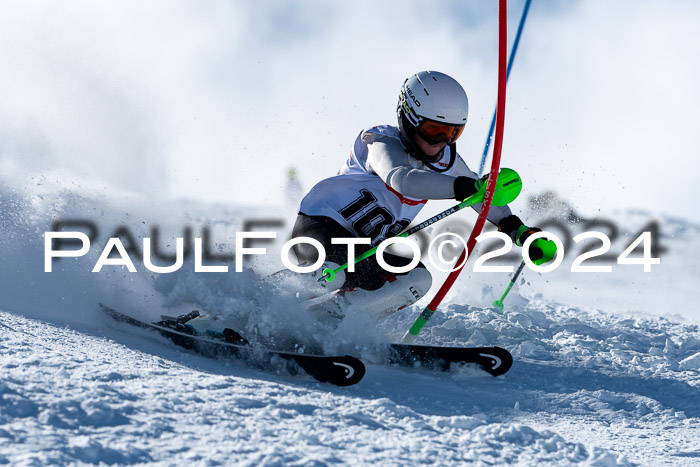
(606, 371)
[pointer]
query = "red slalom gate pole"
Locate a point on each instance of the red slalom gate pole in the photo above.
(493, 176)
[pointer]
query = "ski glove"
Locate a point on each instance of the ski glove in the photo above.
(466, 186)
(541, 251)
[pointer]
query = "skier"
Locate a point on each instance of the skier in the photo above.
(390, 174)
(387, 179)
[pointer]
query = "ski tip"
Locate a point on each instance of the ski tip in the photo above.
(341, 370)
(494, 360)
(351, 371)
(501, 360)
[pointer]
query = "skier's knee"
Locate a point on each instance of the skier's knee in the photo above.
(312, 285)
(420, 280)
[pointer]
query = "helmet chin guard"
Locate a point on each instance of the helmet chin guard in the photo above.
(434, 106)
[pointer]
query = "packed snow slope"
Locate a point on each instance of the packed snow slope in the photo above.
(606, 371)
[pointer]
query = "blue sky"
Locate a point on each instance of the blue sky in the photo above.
(216, 100)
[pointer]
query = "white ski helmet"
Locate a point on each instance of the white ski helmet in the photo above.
(433, 105)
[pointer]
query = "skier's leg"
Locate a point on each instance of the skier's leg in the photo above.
(379, 293)
(397, 292)
(322, 229)
(369, 289)
(372, 290)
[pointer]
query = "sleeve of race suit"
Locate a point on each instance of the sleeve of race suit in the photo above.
(389, 160)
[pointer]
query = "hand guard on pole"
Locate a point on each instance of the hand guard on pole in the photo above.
(541, 250)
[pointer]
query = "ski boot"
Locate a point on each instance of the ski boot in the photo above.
(396, 294)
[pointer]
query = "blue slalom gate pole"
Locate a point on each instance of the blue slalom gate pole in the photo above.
(526, 8)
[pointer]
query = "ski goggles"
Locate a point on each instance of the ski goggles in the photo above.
(437, 132)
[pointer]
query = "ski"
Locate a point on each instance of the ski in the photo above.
(494, 360)
(339, 370)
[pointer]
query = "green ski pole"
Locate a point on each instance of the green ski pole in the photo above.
(508, 187)
(499, 303)
(549, 251)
